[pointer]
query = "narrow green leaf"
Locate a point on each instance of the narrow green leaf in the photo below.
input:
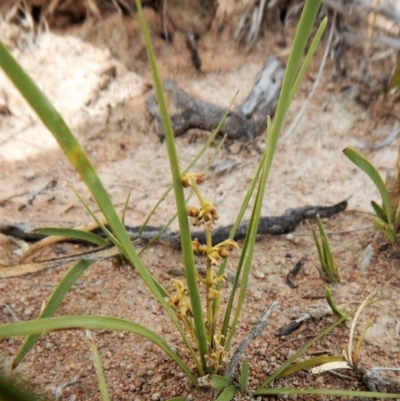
(337, 311)
(219, 382)
(386, 229)
(319, 249)
(73, 233)
(365, 165)
(309, 56)
(99, 369)
(337, 393)
(310, 363)
(380, 213)
(186, 241)
(244, 376)
(236, 282)
(227, 394)
(91, 323)
(328, 266)
(125, 208)
(52, 305)
(303, 31)
(302, 350)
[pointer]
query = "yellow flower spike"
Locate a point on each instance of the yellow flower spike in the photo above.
(224, 253)
(213, 293)
(196, 245)
(229, 244)
(192, 211)
(190, 179)
(214, 258)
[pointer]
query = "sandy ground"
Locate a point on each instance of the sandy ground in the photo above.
(96, 74)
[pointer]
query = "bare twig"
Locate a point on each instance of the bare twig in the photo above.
(256, 330)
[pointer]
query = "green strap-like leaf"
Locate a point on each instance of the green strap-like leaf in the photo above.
(338, 393)
(337, 311)
(99, 369)
(219, 382)
(386, 229)
(186, 240)
(380, 213)
(244, 376)
(91, 323)
(73, 233)
(52, 305)
(227, 394)
(310, 363)
(365, 165)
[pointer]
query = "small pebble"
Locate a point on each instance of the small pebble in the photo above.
(235, 148)
(258, 274)
(156, 396)
(253, 319)
(290, 237)
(28, 311)
(29, 175)
(121, 335)
(296, 240)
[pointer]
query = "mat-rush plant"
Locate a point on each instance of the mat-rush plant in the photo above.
(207, 336)
(328, 269)
(388, 215)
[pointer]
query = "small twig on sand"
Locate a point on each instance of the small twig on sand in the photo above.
(256, 330)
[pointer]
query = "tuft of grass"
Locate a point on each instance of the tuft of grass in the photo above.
(206, 337)
(387, 218)
(328, 269)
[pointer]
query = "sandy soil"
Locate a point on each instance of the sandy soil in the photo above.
(96, 74)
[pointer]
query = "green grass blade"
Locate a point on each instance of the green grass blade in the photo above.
(307, 19)
(386, 229)
(319, 249)
(186, 241)
(54, 122)
(310, 363)
(235, 284)
(227, 394)
(337, 393)
(380, 213)
(52, 305)
(105, 230)
(337, 311)
(219, 382)
(303, 349)
(244, 376)
(90, 323)
(309, 56)
(125, 208)
(99, 369)
(365, 165)
(73, 233)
